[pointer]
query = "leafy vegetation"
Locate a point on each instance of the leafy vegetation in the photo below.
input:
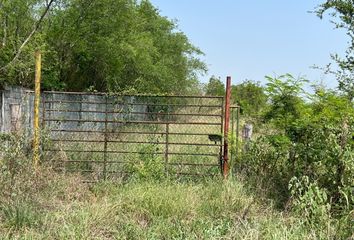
(250, 96)
(104, 45)
(305, 156)
(51, 205)
(215, 87)
(295, 177)
(342, 13)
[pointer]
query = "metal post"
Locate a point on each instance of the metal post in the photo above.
(232, 116)
(36, 135)
(221, 160)
(237, 130)
(43, 120)
(105, 141)
(2, 111)
(166, 149)
(226, 127)
(43, 112)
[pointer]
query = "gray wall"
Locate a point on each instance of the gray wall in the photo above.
(15, 97)
(16, 105)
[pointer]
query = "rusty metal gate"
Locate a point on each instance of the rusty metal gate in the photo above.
(107, 136)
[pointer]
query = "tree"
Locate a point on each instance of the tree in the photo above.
(116, 45)
(18, 21)
(250, 96)
(342, 10)
(30, 35)
(106, 45)
(286, 103)
(215, 87)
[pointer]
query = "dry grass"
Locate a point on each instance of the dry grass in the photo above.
(60, 207)
(52, 205)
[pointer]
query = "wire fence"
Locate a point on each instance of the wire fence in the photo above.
(108, 136)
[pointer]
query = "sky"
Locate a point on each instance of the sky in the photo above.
(251, 39)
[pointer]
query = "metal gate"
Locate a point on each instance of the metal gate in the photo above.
(107, 136)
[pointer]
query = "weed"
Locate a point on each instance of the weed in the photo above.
(18, 215)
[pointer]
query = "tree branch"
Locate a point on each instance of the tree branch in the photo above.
(5, 31)
(36, 26)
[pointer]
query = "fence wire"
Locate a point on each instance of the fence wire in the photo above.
(108, 136)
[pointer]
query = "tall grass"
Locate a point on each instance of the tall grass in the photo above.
(150, 210)
(52, 205)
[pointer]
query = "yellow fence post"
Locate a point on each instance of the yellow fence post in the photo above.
(37, 95)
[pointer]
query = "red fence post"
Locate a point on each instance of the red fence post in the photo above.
(226, 127)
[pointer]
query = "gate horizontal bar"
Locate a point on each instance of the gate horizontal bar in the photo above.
(76, 131)
(193, 154)
(94, 131)
(130, 132)
(131, 95)
(89, 161)
(195, 174)
(134, 113)
(192, 134)
(132, 104)
(77, 140)
(194, 164)
(98, 151)
(129, 122)
(123, 162)
(132, 152)
(135, 142)
(91, 171)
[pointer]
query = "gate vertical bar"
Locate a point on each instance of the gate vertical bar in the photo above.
(43, 119)
(237, 130)
(166, 148)
(232, 116)
(43, 112)
(226, 127)
(105, 140)
(36, 136)
(221, 161)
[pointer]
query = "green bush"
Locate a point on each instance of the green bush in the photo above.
(305, 159)
(310, 201)
(149, 164)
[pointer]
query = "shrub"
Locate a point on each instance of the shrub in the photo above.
(316, 160)
(310, 201)
(149, 164)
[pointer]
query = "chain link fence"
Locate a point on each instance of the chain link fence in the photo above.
(111, 136)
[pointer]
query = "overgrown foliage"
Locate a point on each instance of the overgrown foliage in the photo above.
(215, 87)
(302, 157)
(26, 194)
(306, 159)
(250, 96)
(342, 12)
(103, 45)
(286, 104)
(51, 205)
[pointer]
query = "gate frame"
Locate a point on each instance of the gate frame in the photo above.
(225, 122)
(166, 153)
(226, 165)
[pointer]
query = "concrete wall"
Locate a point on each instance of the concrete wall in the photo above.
(16, 110)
